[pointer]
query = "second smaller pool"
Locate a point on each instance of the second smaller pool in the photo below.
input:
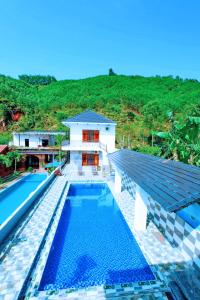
(12, 197)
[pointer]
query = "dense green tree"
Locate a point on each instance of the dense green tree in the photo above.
(37, 79)
(138, 104)
(111, 72)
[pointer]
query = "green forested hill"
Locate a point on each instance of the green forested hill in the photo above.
(139, 104)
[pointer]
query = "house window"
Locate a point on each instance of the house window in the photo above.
(90, 159)
(26, 142)
(45, 143)
(90, 136)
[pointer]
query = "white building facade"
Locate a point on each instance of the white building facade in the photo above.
(92, 137)
(37, 147)
(35, 139)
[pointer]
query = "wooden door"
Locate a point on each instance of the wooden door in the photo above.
(84, 159)
(96, 159)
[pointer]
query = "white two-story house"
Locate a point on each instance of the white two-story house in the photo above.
(37, 147)
(92, 137)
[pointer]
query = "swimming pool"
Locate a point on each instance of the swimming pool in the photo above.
(12, 197)
(93, 244)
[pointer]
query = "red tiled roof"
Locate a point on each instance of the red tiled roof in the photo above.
(3, 148)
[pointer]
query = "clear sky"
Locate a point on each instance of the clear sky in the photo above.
(82, 38)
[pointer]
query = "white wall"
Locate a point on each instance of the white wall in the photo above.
(118, 181)
(141, 200)
(34, 140)
(106, 137)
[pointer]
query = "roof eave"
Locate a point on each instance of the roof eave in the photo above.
(42, 133)
(99, 123)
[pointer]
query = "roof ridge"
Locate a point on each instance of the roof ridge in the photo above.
(89, 116)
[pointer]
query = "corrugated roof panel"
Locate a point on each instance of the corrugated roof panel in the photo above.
(3, 148)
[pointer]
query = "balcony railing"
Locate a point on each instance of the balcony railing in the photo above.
(37, 147)
(67, 145)
(79, 145)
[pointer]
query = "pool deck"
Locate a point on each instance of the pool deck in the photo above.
(16, 262)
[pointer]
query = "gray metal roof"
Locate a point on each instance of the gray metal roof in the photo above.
(172, 184)
(89, 116)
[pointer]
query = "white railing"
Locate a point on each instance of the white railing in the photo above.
(103, 146)
(68, 145)
(80, 145)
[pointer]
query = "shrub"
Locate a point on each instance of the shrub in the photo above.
(156, 151)
(30, 169)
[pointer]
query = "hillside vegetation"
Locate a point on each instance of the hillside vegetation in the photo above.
(138, 104)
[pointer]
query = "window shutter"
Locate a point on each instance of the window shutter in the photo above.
(84, 159)
(85, 135)
(96, 135)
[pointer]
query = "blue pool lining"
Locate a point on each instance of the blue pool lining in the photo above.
(29, 196)
(7, 226)
(13, 235)
(22, 178)
(85, 190)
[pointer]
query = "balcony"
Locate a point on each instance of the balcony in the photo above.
(37, 150)
(83, 146)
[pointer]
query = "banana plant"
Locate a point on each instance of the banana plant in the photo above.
(182, 141)
(5, 160)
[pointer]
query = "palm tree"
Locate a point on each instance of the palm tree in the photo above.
(14, 156)
(59, 139)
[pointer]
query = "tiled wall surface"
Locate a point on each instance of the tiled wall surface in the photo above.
(179, 233)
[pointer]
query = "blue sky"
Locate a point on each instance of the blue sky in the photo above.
(83, 38)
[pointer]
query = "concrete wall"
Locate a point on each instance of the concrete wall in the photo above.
(106, 137)
(11, 222)
(34, 140)
(179, 233)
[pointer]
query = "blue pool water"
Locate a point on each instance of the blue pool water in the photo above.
(13, 196)
(191, 215)
(93, 244)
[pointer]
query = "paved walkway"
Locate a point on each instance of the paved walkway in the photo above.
(16, 264)
(71, 173)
